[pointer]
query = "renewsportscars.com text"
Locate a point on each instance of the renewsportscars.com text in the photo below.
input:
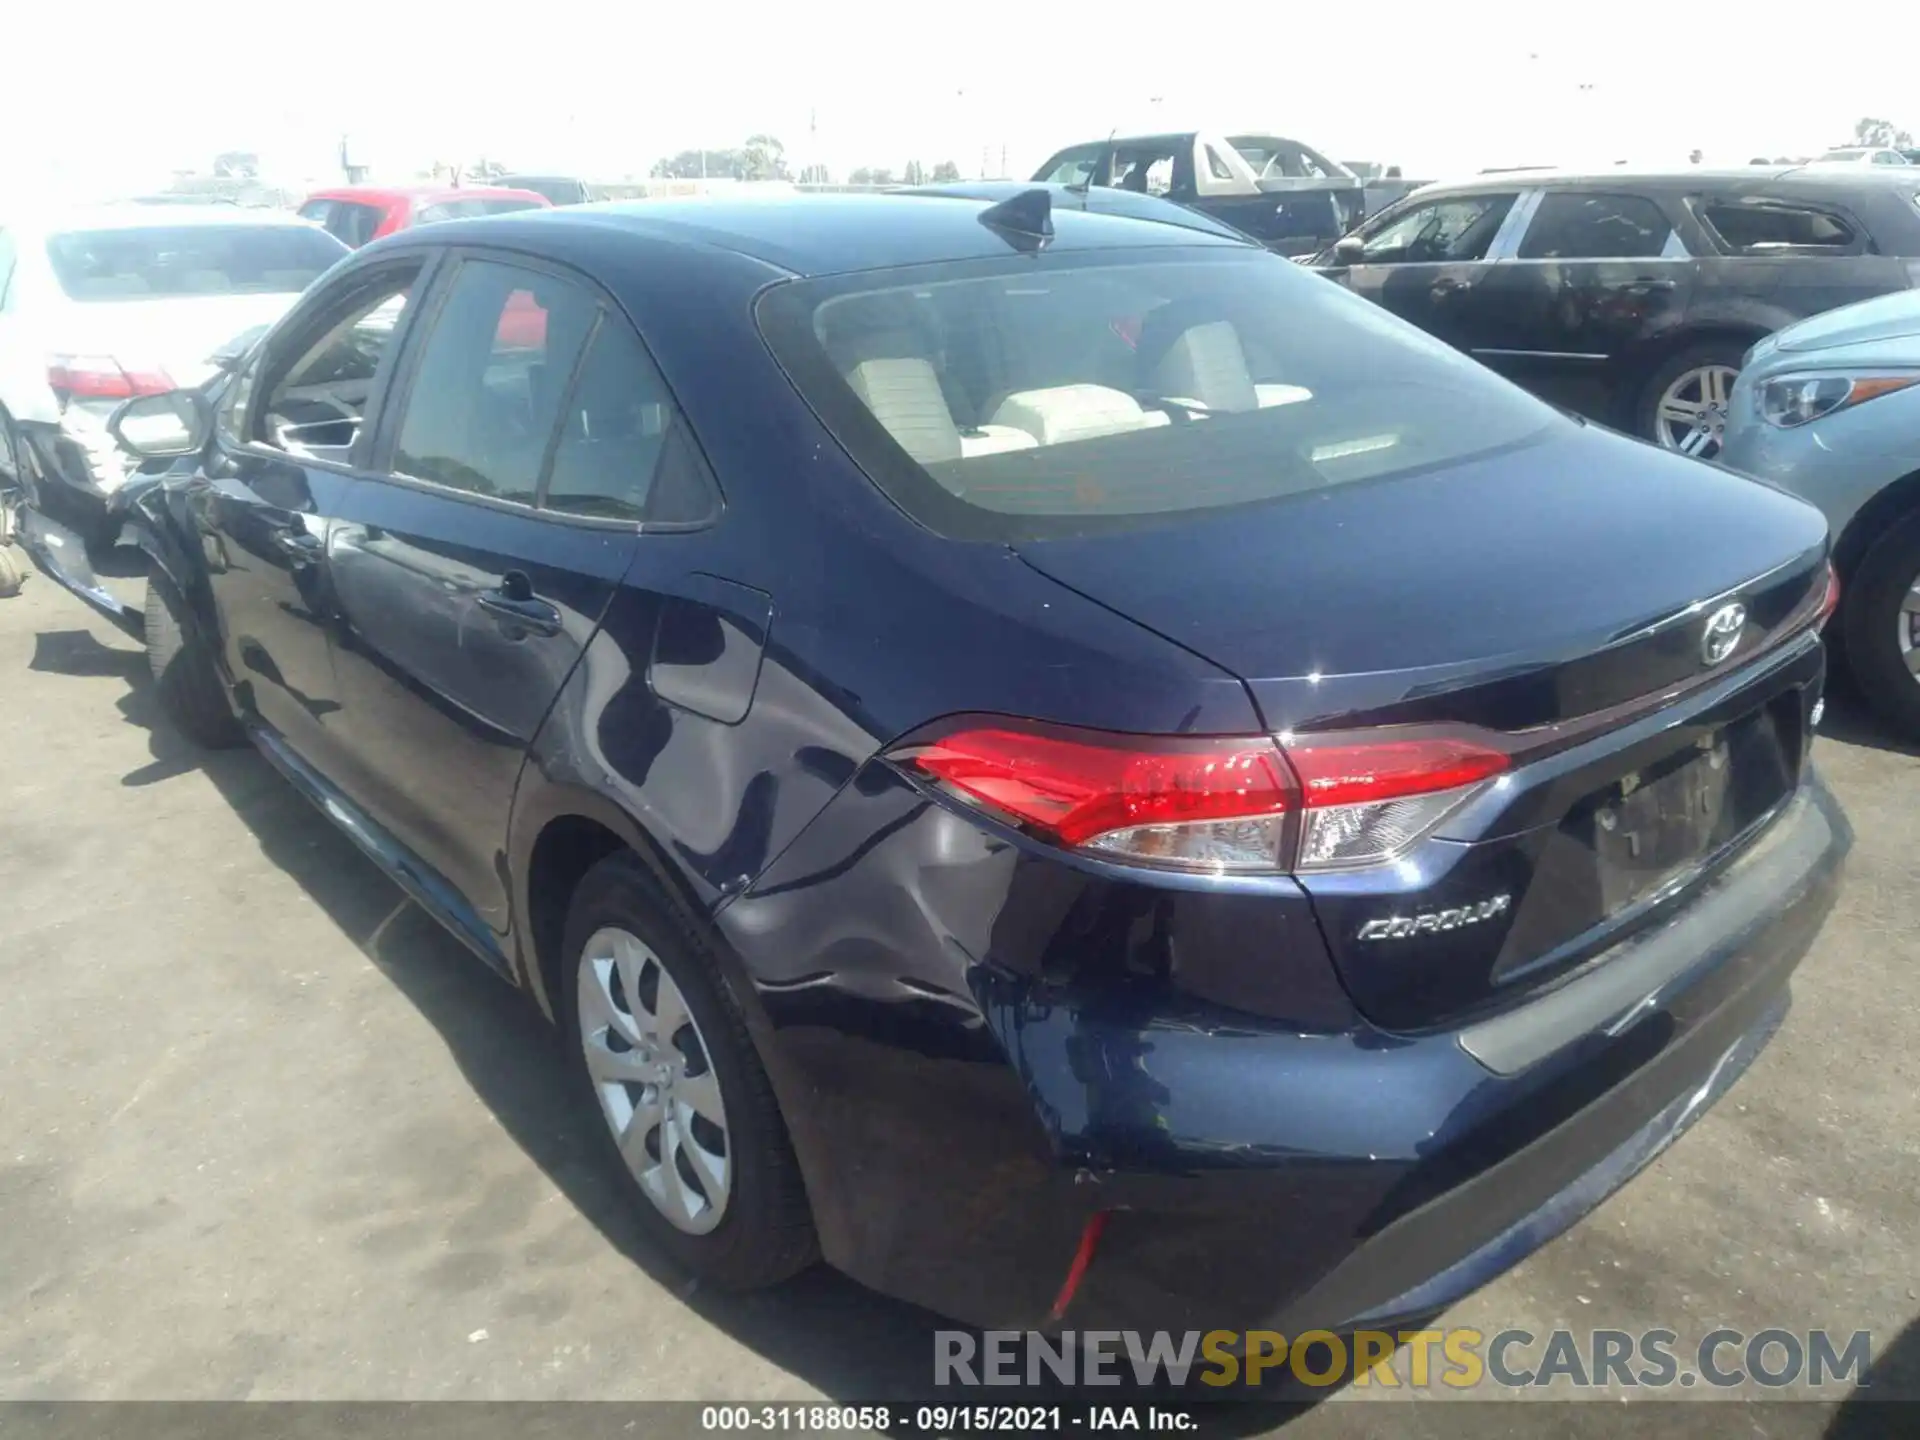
(1454, 1359)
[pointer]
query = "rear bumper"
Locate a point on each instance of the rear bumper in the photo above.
(1468, 1169)
(1255, 1177)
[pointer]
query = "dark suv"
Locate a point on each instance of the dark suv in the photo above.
(1058, 761)
(1631, 298)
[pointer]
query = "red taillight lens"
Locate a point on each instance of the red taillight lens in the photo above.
(1830, 602)
(1208, 804)
(101, 377)
(1368, 799)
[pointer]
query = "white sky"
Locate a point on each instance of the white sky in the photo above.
(587, 86)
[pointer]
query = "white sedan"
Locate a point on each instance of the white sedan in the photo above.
(100, 305)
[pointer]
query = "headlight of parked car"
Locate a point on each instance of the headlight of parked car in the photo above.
(1791, 400)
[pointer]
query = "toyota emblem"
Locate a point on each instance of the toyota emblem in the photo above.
(1724, 628)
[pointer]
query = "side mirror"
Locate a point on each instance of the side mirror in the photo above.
(1349, 250)
(162, 427)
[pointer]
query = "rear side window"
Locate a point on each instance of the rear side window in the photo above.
(1759, 226)
(169, 261)
(1072, 167)
(354, 224)
(1056, 394)
(1570, 225)
(318, 211)
(486, 399)
(614, 428)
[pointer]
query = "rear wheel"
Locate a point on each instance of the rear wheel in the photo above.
(660, 1050)
(184, 672)
(1683, 406)
(1880, 624)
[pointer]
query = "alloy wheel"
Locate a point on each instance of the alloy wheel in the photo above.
(654, 1078)
(1908, 631)
(1692, 415)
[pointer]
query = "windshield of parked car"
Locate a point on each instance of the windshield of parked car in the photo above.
(164, 261)
(1060, 393)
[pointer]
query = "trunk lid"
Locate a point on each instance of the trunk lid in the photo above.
(1501, 591)
(1561, 587)
(175, 334)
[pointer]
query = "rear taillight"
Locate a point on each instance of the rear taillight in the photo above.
(102, 377)
(1368, 799)
(1242, 805)
(1830, 601)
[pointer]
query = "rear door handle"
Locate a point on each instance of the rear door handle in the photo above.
(1647, 283)
(1447, 285)
(513, 603)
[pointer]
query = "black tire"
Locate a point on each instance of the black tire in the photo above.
(766, 1234)
(1870, 613)
(184, 672)
(1646, 408)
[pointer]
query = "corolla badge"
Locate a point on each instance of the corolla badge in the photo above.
(1398, 927)
(1724, 628)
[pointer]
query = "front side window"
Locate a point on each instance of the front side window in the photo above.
(1572, 225)
(1055, 394)
(1459, 229)
(171, 261)
(320, 376)
(1755, 225)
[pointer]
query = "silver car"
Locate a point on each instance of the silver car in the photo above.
(1830, 410)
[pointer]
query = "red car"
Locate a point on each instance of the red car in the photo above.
(359, 213)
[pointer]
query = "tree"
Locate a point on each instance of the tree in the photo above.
(1868, 131)
(914, 175)
(693, 164)
(763, 158)
(815, 174)
(945, 172)
(862, 176)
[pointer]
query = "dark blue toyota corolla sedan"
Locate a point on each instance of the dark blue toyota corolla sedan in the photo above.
(1058, 762)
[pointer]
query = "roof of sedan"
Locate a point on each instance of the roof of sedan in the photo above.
(829, 234)
(1834, 177)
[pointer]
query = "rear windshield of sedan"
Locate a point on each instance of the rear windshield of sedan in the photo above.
(1061, 393)
(168, 261)
(469, 209)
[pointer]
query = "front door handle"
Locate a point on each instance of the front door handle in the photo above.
(1646, 284)
(1448, 285)
(514, 605)
(300, 545)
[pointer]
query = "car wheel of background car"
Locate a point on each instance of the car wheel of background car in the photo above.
(661, 1048)
(1880, 625)
(1684, 404)
(184, 673)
